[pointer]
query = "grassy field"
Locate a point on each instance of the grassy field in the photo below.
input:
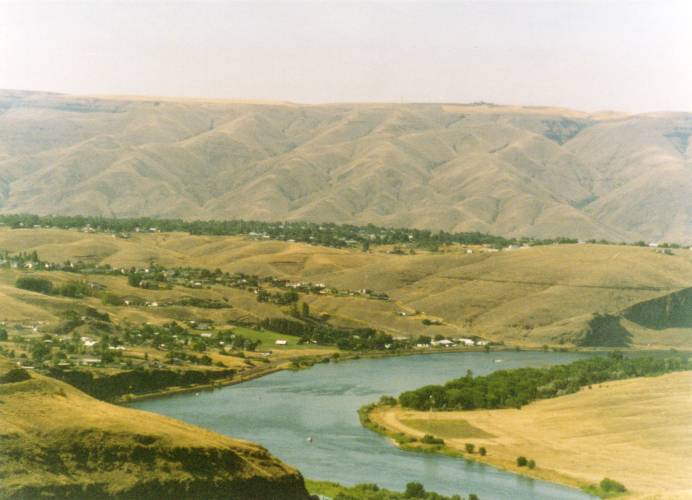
(531, 297)
(59, 441)
(635, 431)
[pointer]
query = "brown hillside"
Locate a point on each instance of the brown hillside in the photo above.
(505, 170)
(58, 442)
(533, 296)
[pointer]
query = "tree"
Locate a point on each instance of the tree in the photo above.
(473, 496)
(532, 464)
(611, 485)
(305, 311)
(414, 490)
(3, 333)
(522, 461)
(39, 351)
(482, 451)
(35, 284)
(469, 447)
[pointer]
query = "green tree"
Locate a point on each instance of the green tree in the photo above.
(414, 490)
(35, 284)
(469, 447)
(612, 486)
(482, 451)
(3, 333)
(531, 464)
(305, 312)
(522, 461)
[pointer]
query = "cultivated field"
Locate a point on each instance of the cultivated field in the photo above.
(636, 431)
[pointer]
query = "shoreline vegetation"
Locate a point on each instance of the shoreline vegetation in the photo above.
(469, 433)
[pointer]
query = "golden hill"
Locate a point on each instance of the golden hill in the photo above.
(58, 442)
(510, 170)
(540, 295)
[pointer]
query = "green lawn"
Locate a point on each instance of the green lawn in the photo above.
(268, 337)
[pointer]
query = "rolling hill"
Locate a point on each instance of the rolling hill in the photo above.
(60, 443)
(512, 171)
(558, 294)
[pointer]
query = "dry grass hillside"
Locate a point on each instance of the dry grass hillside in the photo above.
(513, 171)
(60, 443)
(534, 296)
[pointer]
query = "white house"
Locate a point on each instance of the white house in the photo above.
(281, 342)
(465, 341)
(442, 343)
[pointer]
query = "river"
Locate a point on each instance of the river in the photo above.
(280, 411)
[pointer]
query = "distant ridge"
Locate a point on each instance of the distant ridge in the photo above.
(508, 170)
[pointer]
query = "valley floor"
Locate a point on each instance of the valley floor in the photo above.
(635, 431)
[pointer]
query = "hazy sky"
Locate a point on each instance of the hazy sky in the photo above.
(589, 54)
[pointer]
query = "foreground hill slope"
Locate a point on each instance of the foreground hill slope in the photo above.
(58, 442)
(605, 295)
(506, 170)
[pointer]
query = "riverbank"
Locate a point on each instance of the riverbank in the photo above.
(335, 356)
(298, 362)
(635, 431)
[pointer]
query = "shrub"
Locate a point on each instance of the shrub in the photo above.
(469, 447)
(430, 439)
(40, 285)
(522, 461)
(532, 464)
(14, 375)
(473, 496)
(482, 451)
(414, 490)
(612, 486)
(388, 400)
(3, 333)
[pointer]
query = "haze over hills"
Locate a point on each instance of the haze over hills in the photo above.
(505, 170)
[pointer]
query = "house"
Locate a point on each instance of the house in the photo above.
(442, 343)
(281, 342)
(465, 341)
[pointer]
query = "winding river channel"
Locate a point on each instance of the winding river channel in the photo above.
(283, 409)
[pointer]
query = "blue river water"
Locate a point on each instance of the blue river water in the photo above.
(280, 411)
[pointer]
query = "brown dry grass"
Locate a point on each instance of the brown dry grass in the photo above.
(528, 297)
(636, 431)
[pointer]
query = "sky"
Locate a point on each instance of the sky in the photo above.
(584, 54)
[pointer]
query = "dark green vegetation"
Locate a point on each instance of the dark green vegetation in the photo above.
(515, 388)
(607, 488)
(604, 330)
(325, 234)
(111, 386)
(673, 310)
(414, 490)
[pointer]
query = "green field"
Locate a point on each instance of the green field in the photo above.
(268, 338)
(446, 429)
